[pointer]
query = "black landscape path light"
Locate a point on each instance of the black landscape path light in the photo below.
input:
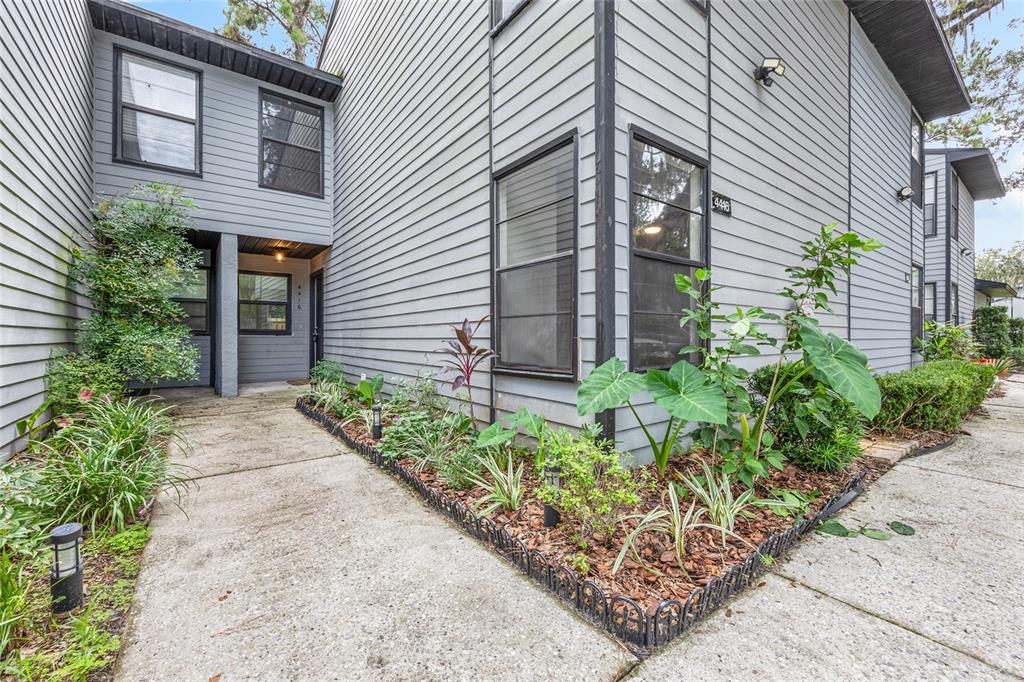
(377, 429)
(67, 570)
(552, 476)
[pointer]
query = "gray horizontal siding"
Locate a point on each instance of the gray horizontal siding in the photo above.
(935, 247)
(543, 87)
(228, 196)
(411, 206)
(963, 265)
(269, 357)
(880, 296)
(46, 191)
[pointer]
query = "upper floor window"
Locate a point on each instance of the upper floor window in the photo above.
(954, 304)
(291, 145)
(954, 205)
(535, 244)
(193, 295)
(264, 303)
(930, 228)
(502, 11)
(157, 113)
(916, 159)
(666, 227)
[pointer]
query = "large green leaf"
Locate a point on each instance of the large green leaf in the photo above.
(607, 387)
(494, 435)
(838, 364)
(684, 393)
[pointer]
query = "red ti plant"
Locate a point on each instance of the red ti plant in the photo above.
(463, 357)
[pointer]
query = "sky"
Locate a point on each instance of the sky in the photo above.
(998, 223)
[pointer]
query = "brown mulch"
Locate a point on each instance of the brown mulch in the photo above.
(706, 555)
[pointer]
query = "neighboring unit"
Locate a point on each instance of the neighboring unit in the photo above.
(954, 180)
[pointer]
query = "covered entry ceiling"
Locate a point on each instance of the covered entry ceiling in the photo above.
(269, 247)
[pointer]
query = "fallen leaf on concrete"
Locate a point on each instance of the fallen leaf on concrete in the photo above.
(215, 678)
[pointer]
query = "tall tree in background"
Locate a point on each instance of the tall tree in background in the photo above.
(303, 22)
(993, 75)
(1002, 266)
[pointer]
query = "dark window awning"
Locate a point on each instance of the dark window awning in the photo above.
(994, 289)
(977, 170)
(909, 38)
(156, 30)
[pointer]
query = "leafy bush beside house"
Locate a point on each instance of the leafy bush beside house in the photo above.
(992, 331)
(947, 342)
(1017, 333)
(933, 396)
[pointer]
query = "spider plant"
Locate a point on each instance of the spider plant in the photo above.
(505, 489)
(714, 491)
(671, 522)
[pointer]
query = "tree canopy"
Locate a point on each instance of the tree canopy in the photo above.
(1002, 266)
(304, 23)
(994, 78)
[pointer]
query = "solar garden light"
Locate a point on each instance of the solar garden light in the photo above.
(377, 429)
(67, 570)
(552, 477)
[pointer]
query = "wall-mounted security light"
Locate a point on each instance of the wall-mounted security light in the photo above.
(769, 66)
(965, 251)
(904, 193)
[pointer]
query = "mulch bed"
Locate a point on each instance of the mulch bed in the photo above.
(594, 557)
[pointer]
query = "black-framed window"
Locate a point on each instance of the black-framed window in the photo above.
(503, 11)
(954, 304)
(931, 181)
(916, 303)
(264, 303)
(291, 145)
(666, 223)
(929, 301)
(917, 160)
(193, 295)
(535, 259)
(157, 107)
(954, 205)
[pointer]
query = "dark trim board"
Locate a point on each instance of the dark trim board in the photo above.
(506, 20)
(570, 139)
(116, 141)
(177, 37)
(604, 204)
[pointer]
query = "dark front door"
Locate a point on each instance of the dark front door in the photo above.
(316, 317)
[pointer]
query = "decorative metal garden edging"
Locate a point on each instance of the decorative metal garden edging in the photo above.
(618, 614)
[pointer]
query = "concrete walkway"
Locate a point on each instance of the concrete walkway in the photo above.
(300, 561)
(945, 603)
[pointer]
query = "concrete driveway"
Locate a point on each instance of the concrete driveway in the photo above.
(298, 560)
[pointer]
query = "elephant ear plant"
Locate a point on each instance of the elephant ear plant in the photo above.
(464, 356)
(712, 395)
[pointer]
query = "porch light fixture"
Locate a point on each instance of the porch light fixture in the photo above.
(66, 571)
(377, 429)
(769, 66)
(552, 477)
(904, 193)
(279, 255)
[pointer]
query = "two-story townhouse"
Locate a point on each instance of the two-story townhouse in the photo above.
(954, 180)
(554, 164)
(551, 164)
(101, 96)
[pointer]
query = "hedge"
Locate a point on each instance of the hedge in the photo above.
(1017, 332)
(992, 331)
(937, 395)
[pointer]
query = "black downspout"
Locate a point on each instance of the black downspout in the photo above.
(949, 237)
(490, 202)
(849, 164)
(604, 237)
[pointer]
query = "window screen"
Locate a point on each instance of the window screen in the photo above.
(157, 113)
(263, 303)
(535, 216)
(291, 140)
(667, 234)
(930, 229)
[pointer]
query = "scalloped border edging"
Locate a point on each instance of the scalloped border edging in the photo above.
(618, 614)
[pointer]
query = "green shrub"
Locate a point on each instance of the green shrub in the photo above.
(103, 470)
(14, 601)
(814, 427)
(327, 372)
(24, 521)
(936, 395)
(596, 489)
(70, 374)
(1017, 333)
(992, 331)
(948, 342)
